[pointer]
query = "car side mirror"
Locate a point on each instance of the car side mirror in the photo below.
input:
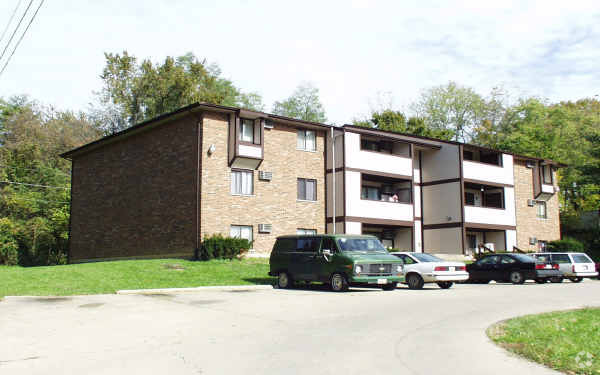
(327, 252)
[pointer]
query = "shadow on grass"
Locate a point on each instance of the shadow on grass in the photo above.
(260, 280)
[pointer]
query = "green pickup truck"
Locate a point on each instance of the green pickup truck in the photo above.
(338, 260)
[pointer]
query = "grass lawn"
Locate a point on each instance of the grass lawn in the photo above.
(555, 339)
(108, 277)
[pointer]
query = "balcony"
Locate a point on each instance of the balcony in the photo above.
(488, 166)
(373, 154)
(377, 197)
(491, 205)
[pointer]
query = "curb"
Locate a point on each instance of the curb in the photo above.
(196, 289)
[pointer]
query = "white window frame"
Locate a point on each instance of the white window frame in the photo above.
(239, 185)
(246, 123)
(539, 204)
(304, 181)
(242, 231)
(308, 232)
(302, 143)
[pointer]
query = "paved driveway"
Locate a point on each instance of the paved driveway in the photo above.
(431, 331)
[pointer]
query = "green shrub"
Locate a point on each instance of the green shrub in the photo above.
(9, 247)
(566, 245)
(219, 247)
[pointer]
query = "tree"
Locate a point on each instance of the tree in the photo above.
(134, 91)
(395, 121)
(452, 107)
(303, 104)
(35, 192)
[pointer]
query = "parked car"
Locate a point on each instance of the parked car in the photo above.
(515, 268)
(421, 268)
(598, 270)
(338, 260)
(574, 266)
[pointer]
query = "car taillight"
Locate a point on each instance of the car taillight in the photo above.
(461, 268)
(555, 266)
(540, 266)
(440, 268)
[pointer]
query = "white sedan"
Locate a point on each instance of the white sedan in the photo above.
(421, 268)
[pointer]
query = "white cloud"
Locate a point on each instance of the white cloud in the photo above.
(350, 50)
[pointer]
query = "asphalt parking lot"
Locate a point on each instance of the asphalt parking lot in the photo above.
(248, 331)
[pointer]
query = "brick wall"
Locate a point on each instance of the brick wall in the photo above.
(274, 202)
(528, 224)
(136, 197)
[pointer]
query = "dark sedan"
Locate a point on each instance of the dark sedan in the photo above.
(515, 268)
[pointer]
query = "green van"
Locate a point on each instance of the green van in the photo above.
(338, 260)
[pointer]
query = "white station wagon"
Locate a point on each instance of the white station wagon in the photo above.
(421, 268)
(574, 266)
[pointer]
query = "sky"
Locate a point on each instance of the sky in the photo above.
(360, 54)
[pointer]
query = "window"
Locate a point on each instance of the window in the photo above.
(308, 244)
(242, 182)
(241, 231)
(542, 245)
(489, 260)
(469, 198)
(547, 174)
(507, 260)
(560, 258)
(306, 140)
(541, 209)
(328, 244)
(406, 259)
(307, 189)
(371, 193)
(581, 258)
(301, 231)
(247, 133)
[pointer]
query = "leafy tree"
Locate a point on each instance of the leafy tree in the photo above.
(34, 193)
(303, 104)
(395, 121)
(451, 107)
(135, 91)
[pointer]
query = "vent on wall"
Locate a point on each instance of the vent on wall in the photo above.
(530, 164)
(266, 176)
(532, 240)
(269, 124)
(265, 228)
(530, 202)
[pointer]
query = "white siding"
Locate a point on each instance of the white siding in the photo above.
(418, 240)
(250, 151)
(353, 227)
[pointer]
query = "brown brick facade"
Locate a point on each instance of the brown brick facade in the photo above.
(136, 197)
(528, 224)
(274, 202)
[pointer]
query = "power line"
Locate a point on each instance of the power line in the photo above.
(38, 200)
(16, 29)
(44, 186)
(10, 20)
(32, 169)
(22, 35)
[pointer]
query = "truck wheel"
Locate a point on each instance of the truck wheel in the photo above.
(445, 284)
(516, 277)
(391, 286)
(338, 283)
(576, 279)
(415, 281)
(284, 280)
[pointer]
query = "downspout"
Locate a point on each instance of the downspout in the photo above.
(333, 192)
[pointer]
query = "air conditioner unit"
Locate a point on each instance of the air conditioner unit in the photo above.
(530, 164)
(532, 240)
(266, 176)
(265, 228)
(530, 202)
(269, 124)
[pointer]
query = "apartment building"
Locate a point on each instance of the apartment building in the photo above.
(442, 197)
(158, 188)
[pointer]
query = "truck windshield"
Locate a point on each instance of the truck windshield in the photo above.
(360, 244)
